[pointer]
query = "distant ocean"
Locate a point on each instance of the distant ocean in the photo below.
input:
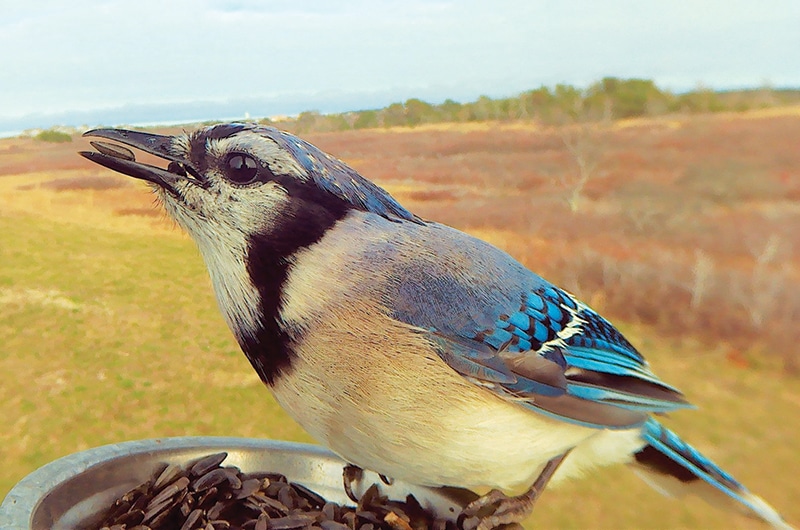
(228, 110)
(142, 115)
(10, 134)
(171, 113)
(162, 123)
(194, 111)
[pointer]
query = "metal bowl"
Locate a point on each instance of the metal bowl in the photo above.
(74, 491)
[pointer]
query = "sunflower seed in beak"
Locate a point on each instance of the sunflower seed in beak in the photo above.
(117, 151)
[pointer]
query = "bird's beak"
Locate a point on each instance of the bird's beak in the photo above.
(123, 160)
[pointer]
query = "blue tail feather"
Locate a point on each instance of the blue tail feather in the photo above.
(667, 455)
(690, 459)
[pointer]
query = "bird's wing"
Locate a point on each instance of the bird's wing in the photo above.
(557, 356)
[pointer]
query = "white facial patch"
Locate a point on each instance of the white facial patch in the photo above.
(180, 146)
(222, 218)
(224, 251)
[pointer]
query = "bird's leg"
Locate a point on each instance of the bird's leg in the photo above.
(351, 474)
(503, 510)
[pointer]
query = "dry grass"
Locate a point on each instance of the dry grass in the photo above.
(665, 190)
(690, 241)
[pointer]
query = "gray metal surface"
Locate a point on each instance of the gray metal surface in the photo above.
(71, 491)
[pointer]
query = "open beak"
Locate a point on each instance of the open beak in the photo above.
(123, 160)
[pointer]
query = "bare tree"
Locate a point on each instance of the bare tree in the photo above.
(584, 136)
(771, 298)
(703, 272)
(766, 282)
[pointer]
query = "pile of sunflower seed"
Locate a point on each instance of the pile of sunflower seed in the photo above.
(207, 496)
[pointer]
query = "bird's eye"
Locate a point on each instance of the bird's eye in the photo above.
(241, 168)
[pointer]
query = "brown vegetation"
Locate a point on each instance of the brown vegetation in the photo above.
(689, 224)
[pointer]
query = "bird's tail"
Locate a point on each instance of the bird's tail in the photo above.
(675, 468)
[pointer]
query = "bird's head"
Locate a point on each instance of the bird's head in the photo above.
(250, 197)
(242, 178)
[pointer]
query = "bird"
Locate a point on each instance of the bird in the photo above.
(407, 347)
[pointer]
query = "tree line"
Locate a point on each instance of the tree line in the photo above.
(610, 98)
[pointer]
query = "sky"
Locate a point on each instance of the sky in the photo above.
(120, 60)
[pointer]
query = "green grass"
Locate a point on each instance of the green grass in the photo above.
(110, 336)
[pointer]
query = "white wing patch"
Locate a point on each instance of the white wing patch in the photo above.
(573, 327)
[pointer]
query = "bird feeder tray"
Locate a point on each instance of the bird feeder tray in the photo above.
(75, 491)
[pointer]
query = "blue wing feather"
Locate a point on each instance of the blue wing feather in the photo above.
(508, 330)
(600, 366)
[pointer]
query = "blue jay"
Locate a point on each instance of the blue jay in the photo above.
(405, 346)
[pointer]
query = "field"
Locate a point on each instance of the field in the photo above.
(685, 231)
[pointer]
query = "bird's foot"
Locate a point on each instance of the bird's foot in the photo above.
(497, 510)
(351, 474)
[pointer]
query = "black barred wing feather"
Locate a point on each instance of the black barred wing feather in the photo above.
(559, 357)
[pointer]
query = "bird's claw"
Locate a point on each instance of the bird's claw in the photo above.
(495, 510)
(351, 474)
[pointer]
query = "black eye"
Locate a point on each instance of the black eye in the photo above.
(241, 168)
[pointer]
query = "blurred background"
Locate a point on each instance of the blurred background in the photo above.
(645, 156)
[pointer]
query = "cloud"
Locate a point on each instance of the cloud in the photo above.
(93, 54)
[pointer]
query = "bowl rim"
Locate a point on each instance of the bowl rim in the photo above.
(20, 504)
(19, 509)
